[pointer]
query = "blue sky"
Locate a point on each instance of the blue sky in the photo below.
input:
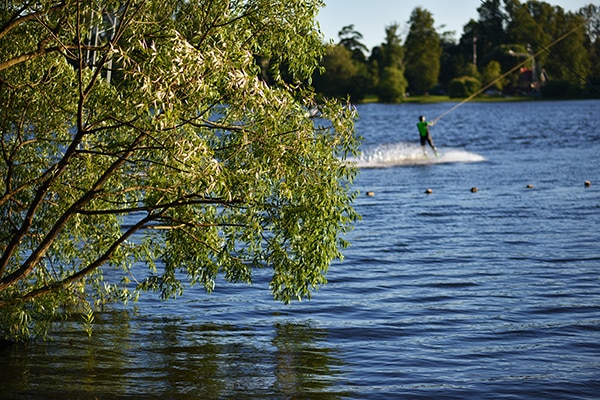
(370, 17)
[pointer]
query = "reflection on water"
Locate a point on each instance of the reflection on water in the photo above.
(157, 358)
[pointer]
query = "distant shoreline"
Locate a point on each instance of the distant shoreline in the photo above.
(431, 99)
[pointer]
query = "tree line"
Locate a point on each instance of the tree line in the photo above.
(530, 48)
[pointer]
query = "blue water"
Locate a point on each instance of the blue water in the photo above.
(449, 295)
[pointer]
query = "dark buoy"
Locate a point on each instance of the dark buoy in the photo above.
(371, 194)
(428, 191)
(474, 189)
(587, 183)
(530, 186)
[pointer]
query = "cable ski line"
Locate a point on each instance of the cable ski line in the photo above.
(487, 86)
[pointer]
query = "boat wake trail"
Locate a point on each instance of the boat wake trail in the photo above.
(402, 154)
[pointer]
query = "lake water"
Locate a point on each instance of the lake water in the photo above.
(449, 295)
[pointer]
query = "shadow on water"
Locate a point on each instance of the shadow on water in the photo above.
(129, 357)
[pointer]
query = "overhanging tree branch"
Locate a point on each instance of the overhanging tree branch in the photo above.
(162, 206)
(185, 142)
(84, 271)
(18, 19)
(27, 267)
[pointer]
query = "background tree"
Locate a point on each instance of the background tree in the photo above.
(345, 70)
(523, 28)
(463, 87)
(468, 50)
(506, 33)
(449, 59)
(591, 15)
(389, 58)
(392, 85)
(569, 59)
(186, 162)
(375, 60)
(491, 73)
(540, 25)
(489, 31)
(423, 52)
(509, 56)
(339, 72)
(350, 39)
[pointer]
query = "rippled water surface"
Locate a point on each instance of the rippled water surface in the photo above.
(454, 294)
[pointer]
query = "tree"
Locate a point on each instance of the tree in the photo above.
(345, 71)
(569, 59)
(339, 70)
(423, 52)
(389, 59)
(392, 85)
(362, 81)
(468, 45)
(522, 26)
(450, 59)
(591, 14)
(489, 31)
(542, 25)
(510, 56)
(491, 73)
(186, 162)
(463, 87)
(350, 39)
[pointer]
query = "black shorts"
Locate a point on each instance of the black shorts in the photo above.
(424, 139)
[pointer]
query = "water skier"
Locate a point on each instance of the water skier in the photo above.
(423, 126)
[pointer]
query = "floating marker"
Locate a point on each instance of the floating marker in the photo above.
(428, 191)
(530, 186)
(587, 183)
(371, 194)
(474, 189)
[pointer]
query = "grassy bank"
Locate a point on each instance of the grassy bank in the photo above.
(443, 99)
(483, 98)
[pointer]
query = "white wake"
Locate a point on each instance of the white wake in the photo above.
(398, 154)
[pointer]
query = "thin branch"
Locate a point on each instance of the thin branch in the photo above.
(41, 51)
(88, 269)
(34, 258)
(181, 223)
(15, 21)
(165, 206)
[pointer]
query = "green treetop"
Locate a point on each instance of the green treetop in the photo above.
(423, 52)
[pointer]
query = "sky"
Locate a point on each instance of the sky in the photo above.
(370, 17)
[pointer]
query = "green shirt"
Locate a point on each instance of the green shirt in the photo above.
(423, 128)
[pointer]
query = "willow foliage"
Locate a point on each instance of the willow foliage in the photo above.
(154, 154)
